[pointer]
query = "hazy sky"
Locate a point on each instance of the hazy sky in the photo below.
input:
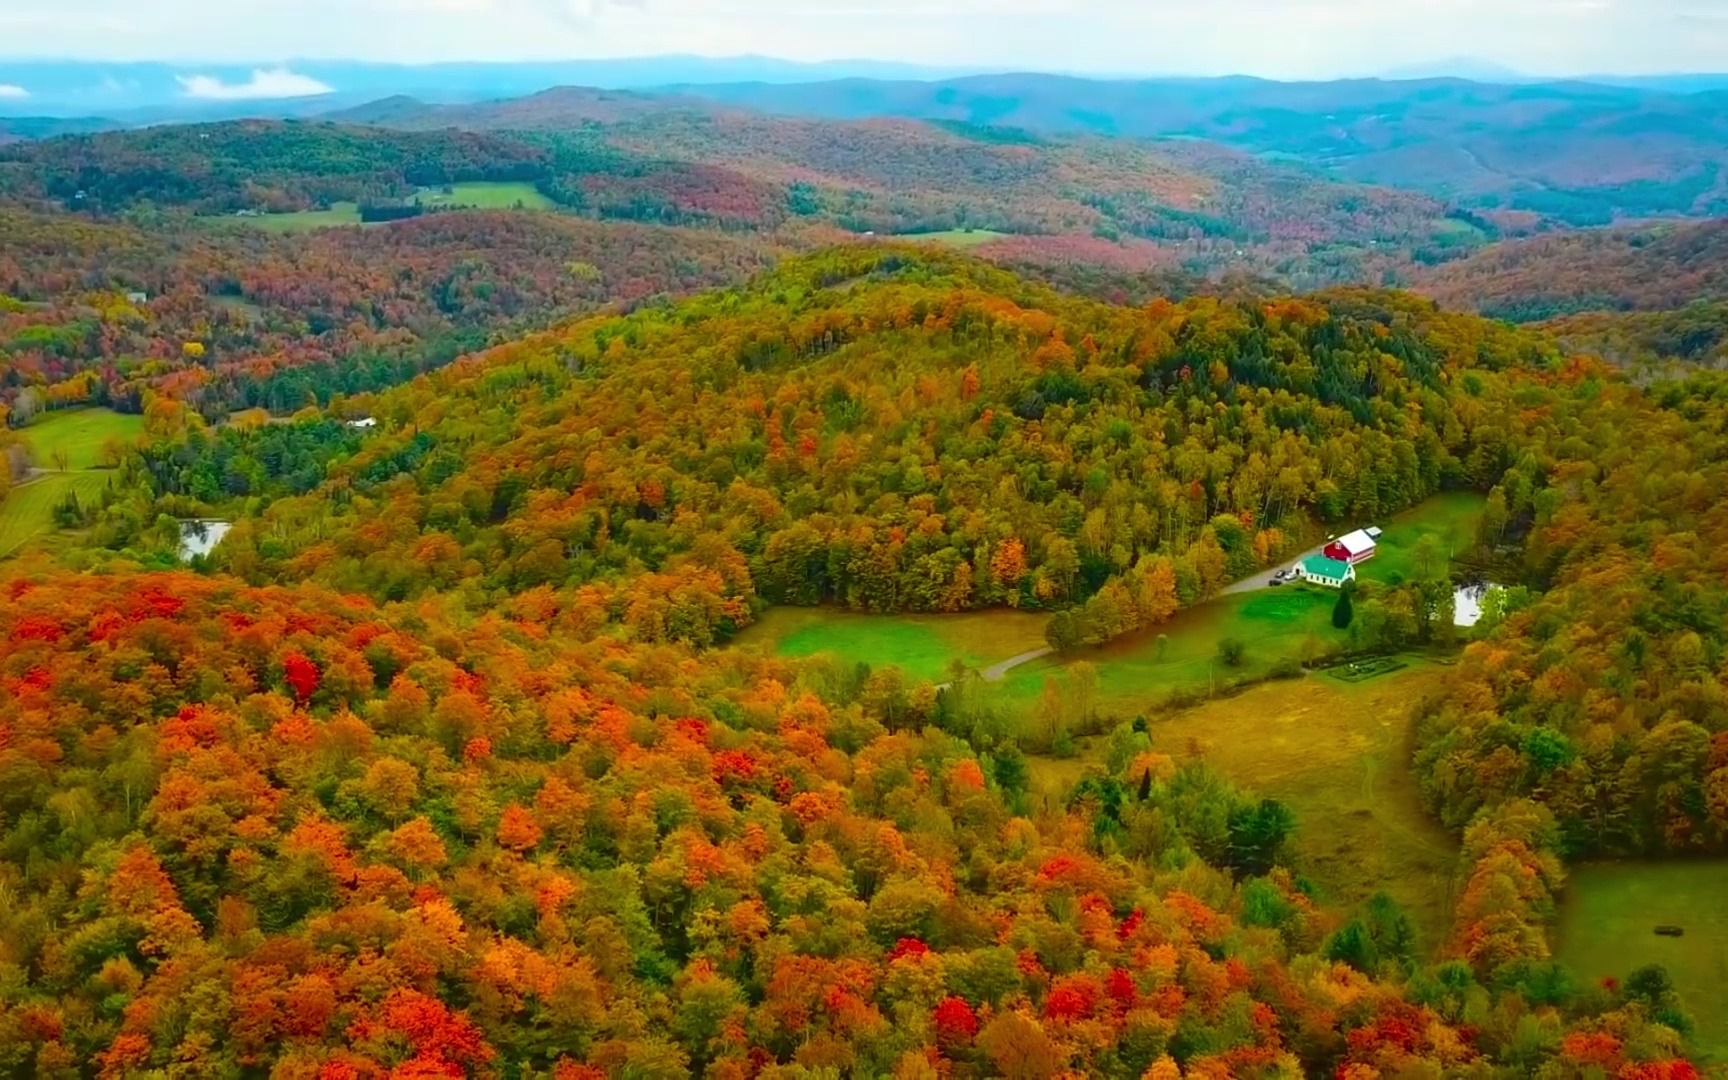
(1279, 38)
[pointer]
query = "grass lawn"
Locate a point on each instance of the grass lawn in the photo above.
(920, 645)
(81, 433)
(1607, 921)
(1451, 518)
(487, 196)
(1138, 672)
(960, 238)
(28, 511)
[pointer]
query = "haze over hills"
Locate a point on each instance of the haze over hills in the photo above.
(61, 87)
(1584, 153)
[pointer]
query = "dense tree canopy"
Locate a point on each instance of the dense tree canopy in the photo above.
(884, 429)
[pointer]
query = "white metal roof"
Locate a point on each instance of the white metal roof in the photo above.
(1357, 542)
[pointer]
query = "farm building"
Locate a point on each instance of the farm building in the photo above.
(1354, 548)
(1321, 570)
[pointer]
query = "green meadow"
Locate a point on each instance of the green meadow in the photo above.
(958, 238)
(1608, 917)
(28, 510)
(1137, 673)
(478, 195)
(923, 646)
(486, 195)
(337, 215)
(1450, 518)
(80, 434)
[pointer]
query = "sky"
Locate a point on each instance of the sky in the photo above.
(1272, 38)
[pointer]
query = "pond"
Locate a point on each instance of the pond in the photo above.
(200, 537)
(1467, 602)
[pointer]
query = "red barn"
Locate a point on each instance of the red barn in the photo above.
(1354, 548)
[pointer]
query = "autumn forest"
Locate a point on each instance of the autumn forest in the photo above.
(401, 513)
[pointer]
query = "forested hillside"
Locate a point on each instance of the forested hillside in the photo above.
(112, 312)
(1582, 153)
(398, 512)
(1644, 268)
(254, 164)
(884, 429)
(509, 816)
(1603, 698)
(1132, 204)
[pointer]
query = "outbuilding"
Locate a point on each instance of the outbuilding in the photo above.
(1354, 548)
(1321, 570)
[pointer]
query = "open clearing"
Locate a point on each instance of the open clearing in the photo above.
(1336, 754)
(923, 646)
(81, 433)
(1451, 517)
(339, 214)
(1139, 672)
(960, 238)
(486, 196)
(481, 195)
(1607, 921)
(28, 510)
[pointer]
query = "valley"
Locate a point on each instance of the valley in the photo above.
(797, 580)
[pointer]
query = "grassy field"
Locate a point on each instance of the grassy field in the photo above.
(1337, 755)
(1451, 518)
(1138, 672)
(960, 238)
(28, 510)
(487, 196)
(342, 213)
(920, 645)
(81, 434)
(478, 195)
(1607, 922)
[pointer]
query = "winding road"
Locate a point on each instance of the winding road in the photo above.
(998, 672)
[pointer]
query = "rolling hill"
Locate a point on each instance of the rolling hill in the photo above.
(1577, 151)
(1635, 268)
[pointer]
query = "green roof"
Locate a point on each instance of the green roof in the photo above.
(1321, 566)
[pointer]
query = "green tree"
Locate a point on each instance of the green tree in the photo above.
(1231, 651)
(1257, 834)
(1343, 613)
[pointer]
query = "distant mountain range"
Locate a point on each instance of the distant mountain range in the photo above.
(1574, 152)
(1579, 152)
(150, 92)
(155, 92)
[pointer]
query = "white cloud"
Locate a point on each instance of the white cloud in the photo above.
(265, 83)
(12, 92)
